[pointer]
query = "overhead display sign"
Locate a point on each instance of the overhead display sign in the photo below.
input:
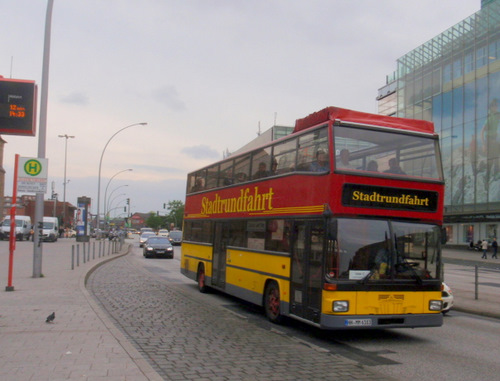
(17, 107)
(32, 175)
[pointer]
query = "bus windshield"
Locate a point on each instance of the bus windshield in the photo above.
(388, 153)
(372, 250)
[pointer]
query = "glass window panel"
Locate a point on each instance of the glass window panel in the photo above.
(309, 145)
(469, 102)
(447, 73)
(373, 250)
(242, 169)
(458, 106)
(469, 162)
(285, 154)
(390, 153)
(481, 57)
(196, 181)
(469, 62)
(481, 98)
(261, 163)
(226, 176)
(212, 176)
(447, 110)
(457, 68)
(436, 112)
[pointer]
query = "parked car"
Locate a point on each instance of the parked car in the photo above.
(447, 296)
(144, 237)
(158, 247)
(175, 237)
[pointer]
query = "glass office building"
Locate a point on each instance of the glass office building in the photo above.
(454, 81)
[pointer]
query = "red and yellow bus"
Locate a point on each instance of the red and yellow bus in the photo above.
(338, 224)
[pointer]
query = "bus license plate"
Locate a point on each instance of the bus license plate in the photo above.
(358, 322)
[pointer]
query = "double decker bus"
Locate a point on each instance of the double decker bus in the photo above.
(338, 224)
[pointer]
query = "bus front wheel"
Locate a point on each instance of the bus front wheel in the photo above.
(202, 287)
(272, 302)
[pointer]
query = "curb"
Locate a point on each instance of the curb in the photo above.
(146, 369)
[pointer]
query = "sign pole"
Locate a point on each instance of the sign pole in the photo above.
(12, 235)
(37, 241)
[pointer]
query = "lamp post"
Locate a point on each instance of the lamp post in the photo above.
(111, 202)
(100, 165)
(109, 182)
(108, 202)
(66, 137)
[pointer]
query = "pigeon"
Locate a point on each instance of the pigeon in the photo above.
(50, 318)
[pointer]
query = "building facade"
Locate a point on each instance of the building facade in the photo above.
(453, 80)
(26, 205)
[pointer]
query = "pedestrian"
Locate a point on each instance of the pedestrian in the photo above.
(494, 245)
(484, 246)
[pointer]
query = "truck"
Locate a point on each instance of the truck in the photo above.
(23, 228)
(50, 231)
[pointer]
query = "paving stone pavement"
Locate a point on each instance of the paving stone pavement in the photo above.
(186, 339)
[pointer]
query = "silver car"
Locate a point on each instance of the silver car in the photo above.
(144, 237)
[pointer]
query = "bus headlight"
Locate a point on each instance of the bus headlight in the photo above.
(341, 306)
(435, 305)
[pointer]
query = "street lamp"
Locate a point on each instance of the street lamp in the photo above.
(109, 182)
(100, 165)
(111, 200)
(106, 204)
(66, 137)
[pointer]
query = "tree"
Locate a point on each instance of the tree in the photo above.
(175, 210)
(154, 221)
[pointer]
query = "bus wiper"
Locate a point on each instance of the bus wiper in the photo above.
(410, 266)
(367, 277)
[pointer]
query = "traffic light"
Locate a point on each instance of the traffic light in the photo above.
(164, 205)
(124, 208)
(128, 201)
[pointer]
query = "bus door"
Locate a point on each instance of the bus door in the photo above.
(219, 254)
(307, 274)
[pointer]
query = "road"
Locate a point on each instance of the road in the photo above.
(188, 335)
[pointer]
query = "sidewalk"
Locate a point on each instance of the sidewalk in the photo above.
(81, 343)
(464, 292)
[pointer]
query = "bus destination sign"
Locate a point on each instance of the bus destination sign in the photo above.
(367, 196)
(17, 107)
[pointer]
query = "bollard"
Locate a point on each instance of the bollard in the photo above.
(72, 257)
(77, 255)
(476, 283)
(93, 250)
(84, 253)
(109, 247)
(88, 251)
(100, 247)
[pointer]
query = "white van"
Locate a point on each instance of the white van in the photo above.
(50, 229)
(23, 228)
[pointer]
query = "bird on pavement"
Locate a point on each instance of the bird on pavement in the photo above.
(50, 318)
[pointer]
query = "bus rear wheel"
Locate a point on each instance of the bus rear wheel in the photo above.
(202, 287)
(272, 302)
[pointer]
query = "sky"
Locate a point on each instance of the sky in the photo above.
(204, 75)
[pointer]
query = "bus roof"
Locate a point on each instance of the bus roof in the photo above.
(344, 115)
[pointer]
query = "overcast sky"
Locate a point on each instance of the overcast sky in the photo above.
(204, 74)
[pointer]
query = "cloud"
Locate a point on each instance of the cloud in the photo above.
(169, 96)
(75, 98)
(201, 152)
